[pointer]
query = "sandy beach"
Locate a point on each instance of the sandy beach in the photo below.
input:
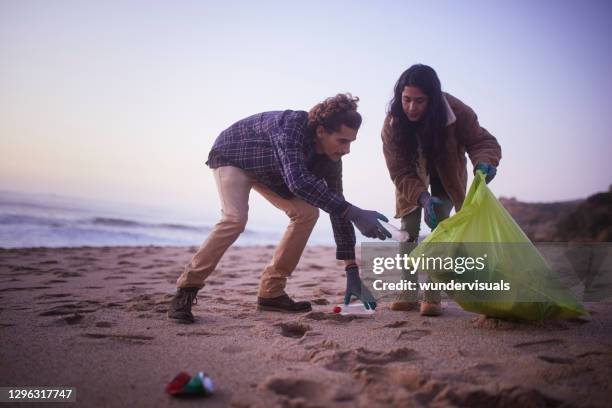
(95, 319)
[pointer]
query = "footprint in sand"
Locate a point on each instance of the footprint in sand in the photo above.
(232, 349)
(557, 360)
(90, 258)
(20, 268)
(487, 368)
(409, 377)
(483, 397)
(51, 302)
(197, 333)
(320, 301)
(300, 390)
(592, 353)
(323, 345)
(321, 292)
(50, 262)
(149, 266)
(237, 326)
(394, 325)
(315, 267)
(148, 303)
(55, 281)
(413, 334)
(17, 289)
(484, 322)
(84, 307)
(132, 289)
(114, 277)
(54, 295)
(293, 329)
(130, 338)
(247, 292)
(334, 317)
(14, 280)
(104, 324)
(538, 345)
(67, 274)
(348, 360)
(71, 320)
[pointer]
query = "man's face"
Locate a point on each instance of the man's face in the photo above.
(335, 144)
(414, 103)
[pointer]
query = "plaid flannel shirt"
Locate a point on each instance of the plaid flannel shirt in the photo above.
(279, 151)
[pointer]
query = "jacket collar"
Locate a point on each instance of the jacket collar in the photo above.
(450, 115)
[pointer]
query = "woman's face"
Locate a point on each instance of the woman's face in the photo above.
(414, 103)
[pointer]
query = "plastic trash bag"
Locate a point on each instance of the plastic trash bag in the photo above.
(484, 226)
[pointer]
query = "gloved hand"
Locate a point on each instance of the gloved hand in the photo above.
(367, 222)
(354, 287)
(428, 201)
(488, 169)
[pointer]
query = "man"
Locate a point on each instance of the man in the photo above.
(293, 159)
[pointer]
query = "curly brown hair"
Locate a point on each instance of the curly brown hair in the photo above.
(334, 112)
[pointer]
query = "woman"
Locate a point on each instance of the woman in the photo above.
(426, 135)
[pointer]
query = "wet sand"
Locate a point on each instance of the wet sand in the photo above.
(94, 318)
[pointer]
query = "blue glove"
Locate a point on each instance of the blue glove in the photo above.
(354, 287)
(488, 169)
(428, 201)
(367, 222)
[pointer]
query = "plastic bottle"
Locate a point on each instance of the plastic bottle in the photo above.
(356, 308)
(184, 384)
(396, 234)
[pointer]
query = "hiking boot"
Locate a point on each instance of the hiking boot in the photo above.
(405, 301)
(180, 305)
(404, 305)
(431, 308)
(283, 303)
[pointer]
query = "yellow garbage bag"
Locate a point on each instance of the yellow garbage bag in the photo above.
(484, 229)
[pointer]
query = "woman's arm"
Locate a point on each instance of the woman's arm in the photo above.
(480, 145)
(402, 171)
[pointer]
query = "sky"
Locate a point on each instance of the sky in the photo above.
(120, 101)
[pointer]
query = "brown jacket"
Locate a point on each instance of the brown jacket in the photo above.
(463, 134)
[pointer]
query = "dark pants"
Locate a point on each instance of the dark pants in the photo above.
(412, 224)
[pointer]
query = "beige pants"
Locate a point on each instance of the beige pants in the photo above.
(234, 186)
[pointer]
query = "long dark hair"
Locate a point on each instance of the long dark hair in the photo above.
(430, 129)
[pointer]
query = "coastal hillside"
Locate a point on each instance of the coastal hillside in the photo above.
(588, 220)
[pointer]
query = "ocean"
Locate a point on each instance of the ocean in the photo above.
(36, 220)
